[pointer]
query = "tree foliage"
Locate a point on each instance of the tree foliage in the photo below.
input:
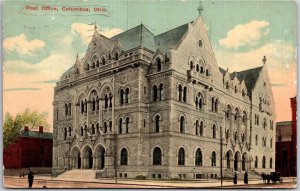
(13, 125)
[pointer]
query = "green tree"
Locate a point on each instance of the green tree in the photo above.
(13, 125)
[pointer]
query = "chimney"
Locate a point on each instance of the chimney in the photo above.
(26, 128)
(40, 129)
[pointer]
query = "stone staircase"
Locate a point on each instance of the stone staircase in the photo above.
(77, 174)
(240, 175)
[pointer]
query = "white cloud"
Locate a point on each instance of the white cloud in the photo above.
(248, 34)
(21, 45)
(86, 31)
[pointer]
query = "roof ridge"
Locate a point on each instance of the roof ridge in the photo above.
(248, 69)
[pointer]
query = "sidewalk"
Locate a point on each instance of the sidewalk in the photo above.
(206, 183)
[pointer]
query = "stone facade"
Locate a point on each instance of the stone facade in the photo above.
(158, 106)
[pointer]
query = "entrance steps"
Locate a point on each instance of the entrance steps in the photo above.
(78, 174)
(240, 175)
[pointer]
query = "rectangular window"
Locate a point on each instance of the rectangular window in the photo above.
(144, 123)
(153, 175)
(125, 175)
(120, 175)
(158, 175)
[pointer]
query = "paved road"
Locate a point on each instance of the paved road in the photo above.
(271, 185)
(10, 182)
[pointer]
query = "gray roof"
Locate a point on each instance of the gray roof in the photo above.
(141, 36)
(35, 134)
(250, 76)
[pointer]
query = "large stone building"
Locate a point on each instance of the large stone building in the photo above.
(157, 106)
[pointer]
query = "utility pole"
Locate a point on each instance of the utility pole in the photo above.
(221, 151)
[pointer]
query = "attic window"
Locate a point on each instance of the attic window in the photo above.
(235, 89)
(200, 43)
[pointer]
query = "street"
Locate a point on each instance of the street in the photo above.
(16, 182)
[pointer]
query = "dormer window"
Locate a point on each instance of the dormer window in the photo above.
(201, 70)
(116, 56)
(235, 89)
(207, 72)
(191, 65)
(158, 64)
(200, 43)
(97, 63)
(103, 61)
(243, 93)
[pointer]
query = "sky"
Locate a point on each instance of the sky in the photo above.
(39, 45)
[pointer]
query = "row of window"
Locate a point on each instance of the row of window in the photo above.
(157, 157)
(264, 141)
(199, 68)
(263, 163)
(235, 89)
(227, 135)
(96, 62)
(68, 109)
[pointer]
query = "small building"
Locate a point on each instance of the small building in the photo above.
(32, 149)
(286, 144)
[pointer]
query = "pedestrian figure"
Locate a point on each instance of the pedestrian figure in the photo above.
(268, 178)
(246, 178)
(30, 178)
(235, 178)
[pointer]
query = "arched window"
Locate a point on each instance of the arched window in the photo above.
(127, 124)
(65, 133)
(97, 63)
(105, 101)
(244, 118)
(98, 127)
(197, 128)
(235, 136)
(93, 65)
(157, 123)
(201, 128)
(105, 127)
(256, 162)
(87, 67)
(207, 72)
(103, 61)
(191, 65)
(198, 158)
(82, 106)
(158, 64)
(264, 162)
(184, 94)
(243, 137)
(93, 104)
(81, 131)
(179, 93)
(214, 131)
(157, 156)
(161, 92)
(93, 129)
(70, 109)
(271, 143)
(201, 70)
(66, 109)
(70, 131)
(116, 56)
(182, 124)
(154, 93)
(199, 101)
(126, 95)
(124, 157)
(110, 125)
(256, 140)
(235, 89)
(85, 129)
(197, 68)
(236, 114)
(213, 158)
(271, 163)
(181, 156)
(212, 103)
(264, 123)
(121, 96)
(120, 125)
(216, 105)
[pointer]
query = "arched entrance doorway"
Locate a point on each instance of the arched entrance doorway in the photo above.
(75, 158)
(228, 159)
(236, 161)
(244, 158)
(88, 158)
(78, 161)
(100, 161)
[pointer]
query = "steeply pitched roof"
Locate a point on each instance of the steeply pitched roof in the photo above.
(250, 76)
(171, 38)
(35, 134)
(135, 37)
(141, 36)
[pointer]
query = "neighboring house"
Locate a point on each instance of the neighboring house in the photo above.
(32, 149)
(158, 105)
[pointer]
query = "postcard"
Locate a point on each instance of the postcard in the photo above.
(149, 94)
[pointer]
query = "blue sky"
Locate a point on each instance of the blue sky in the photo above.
(39, 45)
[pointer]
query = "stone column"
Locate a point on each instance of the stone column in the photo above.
(100, 112)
